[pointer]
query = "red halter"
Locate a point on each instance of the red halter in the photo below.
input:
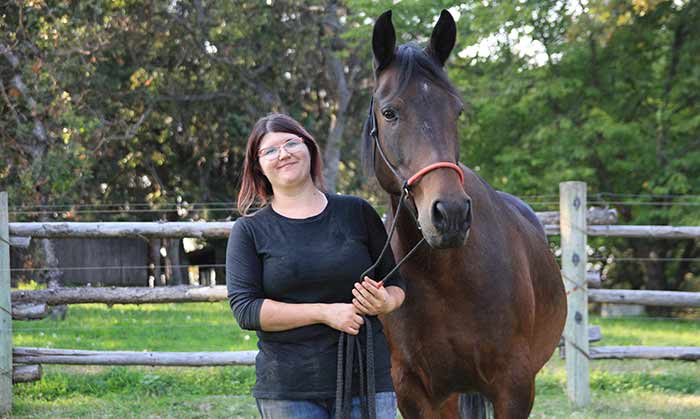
(422, 172)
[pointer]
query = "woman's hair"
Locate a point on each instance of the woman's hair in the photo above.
(253, 182)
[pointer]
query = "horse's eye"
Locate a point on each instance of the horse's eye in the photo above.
(389, 114)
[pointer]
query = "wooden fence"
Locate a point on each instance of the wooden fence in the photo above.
(574, 222)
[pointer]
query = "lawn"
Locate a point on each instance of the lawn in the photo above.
(633, 389)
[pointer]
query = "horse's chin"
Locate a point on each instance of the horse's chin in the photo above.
(447, 240)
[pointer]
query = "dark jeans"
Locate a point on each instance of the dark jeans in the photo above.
(322, 408)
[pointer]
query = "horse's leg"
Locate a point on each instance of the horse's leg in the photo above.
(412, 397)
(514, 397)
(450, 408)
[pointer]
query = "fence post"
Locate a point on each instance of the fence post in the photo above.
(5, 311)
(572, 206)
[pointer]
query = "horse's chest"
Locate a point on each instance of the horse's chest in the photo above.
(431, 341)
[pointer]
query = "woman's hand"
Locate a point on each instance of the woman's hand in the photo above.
(343, 317)
(371, 298)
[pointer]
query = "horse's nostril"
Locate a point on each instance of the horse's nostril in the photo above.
(439, 215)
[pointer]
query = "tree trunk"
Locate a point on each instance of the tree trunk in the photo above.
(338, 82)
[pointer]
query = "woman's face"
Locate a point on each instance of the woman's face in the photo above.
(285, 159)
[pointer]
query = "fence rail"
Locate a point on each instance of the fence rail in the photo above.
(121, 295)
(645, 298)
(221, 229)
(681, 353)
(657, 232)
(27, 355)
(176, 229)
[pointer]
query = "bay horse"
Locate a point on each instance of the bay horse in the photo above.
(485, 304)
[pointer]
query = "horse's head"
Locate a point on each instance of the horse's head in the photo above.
(414, 116)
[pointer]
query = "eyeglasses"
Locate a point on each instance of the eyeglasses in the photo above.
(291, 146)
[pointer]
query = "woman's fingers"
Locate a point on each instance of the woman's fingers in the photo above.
(365, 298)
(356, 322)
(375, 285)
(363, 305)
(366, 290)
(359, 307)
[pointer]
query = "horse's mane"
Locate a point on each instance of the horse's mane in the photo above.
(412, 60)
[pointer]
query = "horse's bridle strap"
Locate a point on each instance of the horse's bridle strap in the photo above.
(443, 164)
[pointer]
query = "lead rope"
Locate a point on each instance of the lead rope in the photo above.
(347, 344)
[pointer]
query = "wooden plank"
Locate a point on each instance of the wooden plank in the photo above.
(29, 311)
(28, 355)
(20, 242)
(5, 311)
(593, 279)
(659, 232)
(222, 229)
(26, 373)
(646, 298)
(572, 205)
(594, 216)
(678, 353)
(123, 229)
(121, 295)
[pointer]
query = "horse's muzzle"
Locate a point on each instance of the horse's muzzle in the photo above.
(451, 221)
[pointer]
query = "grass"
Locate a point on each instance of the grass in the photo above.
(620, 389)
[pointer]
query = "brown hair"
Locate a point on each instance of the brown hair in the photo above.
(253, 183)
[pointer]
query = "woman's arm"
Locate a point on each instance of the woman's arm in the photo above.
(276, 316)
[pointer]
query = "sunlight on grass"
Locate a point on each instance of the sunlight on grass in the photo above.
(170, 327)
(650, 332)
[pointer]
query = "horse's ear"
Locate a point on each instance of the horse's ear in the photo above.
(383, 41)
(443, 38)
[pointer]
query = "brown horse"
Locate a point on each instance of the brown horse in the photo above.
(485, 304)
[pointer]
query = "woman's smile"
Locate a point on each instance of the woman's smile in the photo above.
(286, 165)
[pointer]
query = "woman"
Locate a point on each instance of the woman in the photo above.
(292, 271)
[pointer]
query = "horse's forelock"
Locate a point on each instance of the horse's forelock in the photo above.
(413, 60)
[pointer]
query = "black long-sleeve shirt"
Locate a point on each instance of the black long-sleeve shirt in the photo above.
(311, 260)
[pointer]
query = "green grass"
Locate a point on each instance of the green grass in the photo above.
(620, 389)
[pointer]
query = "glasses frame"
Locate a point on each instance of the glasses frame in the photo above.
(279, 149)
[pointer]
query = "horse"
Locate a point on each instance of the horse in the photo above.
(485, 304)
